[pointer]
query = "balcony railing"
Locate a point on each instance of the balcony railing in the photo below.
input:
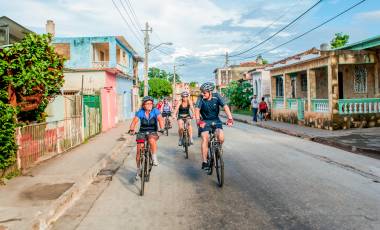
(292, 104)
(278, 103)
(359, 106)
(320, 105)
(100, 64)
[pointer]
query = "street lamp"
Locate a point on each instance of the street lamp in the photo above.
(148, 49)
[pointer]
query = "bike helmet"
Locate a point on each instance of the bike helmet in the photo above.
(184, 94)
(147, 98)
(208, 86)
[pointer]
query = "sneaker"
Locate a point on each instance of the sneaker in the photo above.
(180, 142)
(155, 161)
(205, 166)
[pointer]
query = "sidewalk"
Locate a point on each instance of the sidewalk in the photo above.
(365, 141)
(39, 196)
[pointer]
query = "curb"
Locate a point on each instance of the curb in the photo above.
(353, 149)
(44, 219)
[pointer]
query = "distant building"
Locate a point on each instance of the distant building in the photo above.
(223, 76)
(11, 31)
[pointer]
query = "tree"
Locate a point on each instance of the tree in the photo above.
(154, 72)
(177, 78)
(158, 88)
(31, 74)
(339, 40)
(193, 84)
(239, 94)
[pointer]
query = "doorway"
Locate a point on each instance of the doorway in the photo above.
(340, 85)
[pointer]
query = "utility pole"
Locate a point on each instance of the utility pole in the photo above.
(226, 61)
(174, 86)
(146, 45)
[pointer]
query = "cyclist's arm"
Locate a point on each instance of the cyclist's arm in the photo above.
(197, 114)
(175, 112)
(227, 111)
(134, 123)
(161, 122)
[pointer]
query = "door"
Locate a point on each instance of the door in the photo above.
(340, 85)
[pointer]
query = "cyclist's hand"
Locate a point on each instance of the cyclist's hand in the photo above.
(230, 122)
(201, 124)
(131, 132)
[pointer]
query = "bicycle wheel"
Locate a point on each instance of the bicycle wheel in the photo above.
(219, 166)
(148, 167)
(211, 160)
(143, 169)
(185, 143)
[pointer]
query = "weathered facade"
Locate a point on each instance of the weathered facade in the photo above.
(333, 89)
(105, 67)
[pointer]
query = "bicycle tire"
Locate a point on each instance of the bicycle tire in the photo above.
(149, 168)
(211, 160)
(185, 143)
(142, 168)
(219, 167)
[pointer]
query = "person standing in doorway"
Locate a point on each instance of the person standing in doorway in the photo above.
(255, 107)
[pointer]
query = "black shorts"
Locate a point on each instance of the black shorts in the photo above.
(207, 128)
(166, 114)
(140, 137)
(263, 110)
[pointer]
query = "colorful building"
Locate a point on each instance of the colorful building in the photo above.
(329, 89)
(104, 67)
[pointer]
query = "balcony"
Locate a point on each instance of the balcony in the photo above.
(100, 64)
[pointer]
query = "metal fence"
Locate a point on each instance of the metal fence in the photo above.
(45, 139)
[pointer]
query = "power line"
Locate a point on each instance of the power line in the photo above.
(309, 31)
(282, 29)
(126, 22)
(266, 28)
(134, 14)
(130, 18)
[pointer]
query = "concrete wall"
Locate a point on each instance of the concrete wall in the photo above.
(92, 81)
(109, 105)
(55, 111)
(124, 88)
(348, 82)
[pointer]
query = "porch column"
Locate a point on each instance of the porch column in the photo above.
(287, 88)
(376, 73)
(333, 86)
(311, 88)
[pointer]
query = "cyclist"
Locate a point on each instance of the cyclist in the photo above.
(207, 106)
(166, 110)
(149, 118)
(183, 110)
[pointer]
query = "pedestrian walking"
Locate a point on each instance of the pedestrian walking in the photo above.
(255, 107)
(263, 109)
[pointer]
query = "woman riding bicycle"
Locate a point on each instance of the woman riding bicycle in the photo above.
(166, 110)
(181, 111)
(149, 118)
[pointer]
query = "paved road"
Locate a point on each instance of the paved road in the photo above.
(273, 181)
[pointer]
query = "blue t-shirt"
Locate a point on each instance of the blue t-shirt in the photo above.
(209, 109)
(148, 124)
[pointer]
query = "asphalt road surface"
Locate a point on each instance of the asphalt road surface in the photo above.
(272, 181)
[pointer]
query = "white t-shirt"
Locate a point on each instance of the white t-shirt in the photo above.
(255, 103)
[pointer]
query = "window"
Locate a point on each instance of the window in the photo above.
(279, 87)
(360, 79)
(304, 82)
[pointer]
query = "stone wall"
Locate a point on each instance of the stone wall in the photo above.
(318, 120)
(321, 83)
(284, 115)
(357, 121)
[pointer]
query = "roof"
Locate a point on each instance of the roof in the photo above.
(16, 31)
(307, 55)
(248, 64)
(364, 44)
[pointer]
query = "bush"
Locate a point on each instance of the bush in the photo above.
(8, 147)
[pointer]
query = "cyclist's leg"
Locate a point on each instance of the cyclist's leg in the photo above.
(220, 135)
(152, 139)
(139, 147)
(190, 130)
(180, 127)
(204, 145)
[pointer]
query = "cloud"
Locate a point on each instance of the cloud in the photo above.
(370, 15)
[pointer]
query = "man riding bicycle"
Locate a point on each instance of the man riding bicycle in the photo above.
(166, 110)
(149, 118)
(207, 106)
(183, 111)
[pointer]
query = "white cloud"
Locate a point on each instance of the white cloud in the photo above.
(370, 15)
(256, 23)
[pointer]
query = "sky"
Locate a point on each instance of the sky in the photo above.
(201, 31)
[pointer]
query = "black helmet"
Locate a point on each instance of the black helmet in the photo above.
(208, 86)
(147, 98)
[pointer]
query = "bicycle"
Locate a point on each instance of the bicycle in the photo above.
(185, 135)
(215, 156)
(167, 125)
(146, 161)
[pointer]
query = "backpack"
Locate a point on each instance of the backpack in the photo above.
(263, 105)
